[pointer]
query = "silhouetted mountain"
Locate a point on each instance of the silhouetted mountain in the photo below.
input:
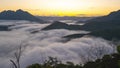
(105, 22)
(60, 25)
(58, 18)
(19, 15)
(112, 17)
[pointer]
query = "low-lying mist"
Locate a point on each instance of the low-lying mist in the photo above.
(41, 45)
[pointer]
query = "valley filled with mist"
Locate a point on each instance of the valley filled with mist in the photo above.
(26, 39)
(44, 43)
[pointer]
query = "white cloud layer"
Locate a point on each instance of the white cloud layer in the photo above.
(48, 43)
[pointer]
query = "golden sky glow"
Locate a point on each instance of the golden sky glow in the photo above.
(62, 7)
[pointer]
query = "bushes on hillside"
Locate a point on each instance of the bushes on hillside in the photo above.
(108, 61)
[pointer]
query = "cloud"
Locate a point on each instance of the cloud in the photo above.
(48, 43)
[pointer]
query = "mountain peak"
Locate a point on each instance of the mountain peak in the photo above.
(6, 11)
(18, 15)
(112, 17)
(61, 25)
(105, 22)
(115, 13)
(20, 10)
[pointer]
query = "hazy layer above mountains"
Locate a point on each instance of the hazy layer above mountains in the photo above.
(57, 18)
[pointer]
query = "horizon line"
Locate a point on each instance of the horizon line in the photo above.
(52, 15)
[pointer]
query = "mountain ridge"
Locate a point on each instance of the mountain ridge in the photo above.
(109, 21)
(61, 25)
(18, 15)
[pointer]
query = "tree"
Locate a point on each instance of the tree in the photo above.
(17, 55)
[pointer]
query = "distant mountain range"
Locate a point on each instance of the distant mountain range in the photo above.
(19, 15)
(57, 18)
(107, 27)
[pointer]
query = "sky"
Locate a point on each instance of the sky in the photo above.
(62, 7)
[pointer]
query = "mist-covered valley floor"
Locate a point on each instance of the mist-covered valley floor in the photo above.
(39, 46)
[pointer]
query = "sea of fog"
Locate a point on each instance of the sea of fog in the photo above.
(38, 46)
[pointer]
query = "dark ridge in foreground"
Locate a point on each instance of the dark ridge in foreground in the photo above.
(19, 15)
(107, 61)
(60, 25)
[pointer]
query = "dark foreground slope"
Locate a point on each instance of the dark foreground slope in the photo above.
(108, 61)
